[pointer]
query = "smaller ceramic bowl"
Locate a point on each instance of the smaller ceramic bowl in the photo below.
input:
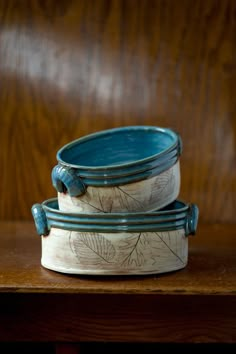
(124, 169)
(123, 243)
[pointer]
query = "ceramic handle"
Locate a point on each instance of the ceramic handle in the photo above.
(40, 219)
(179, 144)
(65, 179)
(192, 220)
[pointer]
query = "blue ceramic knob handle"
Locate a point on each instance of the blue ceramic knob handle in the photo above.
(180, 144)
(40, 219)
(65, 179)
(192, 220)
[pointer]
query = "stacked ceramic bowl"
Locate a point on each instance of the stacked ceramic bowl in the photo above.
(116, 210)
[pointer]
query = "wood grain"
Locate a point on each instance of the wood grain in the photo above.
(117, 318)
(69, 68)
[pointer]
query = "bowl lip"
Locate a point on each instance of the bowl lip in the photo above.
(185, 207)
(95, 135)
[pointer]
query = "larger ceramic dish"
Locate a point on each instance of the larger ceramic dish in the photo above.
(125, 243)
(119, 170)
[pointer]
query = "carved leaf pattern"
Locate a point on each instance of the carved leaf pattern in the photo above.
(127, 201)
(95, 196)
(136, 248)
(125, 198)
(163, 183)
(171, 243)
(104, 203)
(134, 251)
(95, 243)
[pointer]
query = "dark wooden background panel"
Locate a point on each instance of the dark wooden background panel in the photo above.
(69, 68)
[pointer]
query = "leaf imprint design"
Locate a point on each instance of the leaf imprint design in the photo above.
(70, 242)
(171, 250)
(96, 243)
(127, 201)
(135, 256)
(93, 206)
(162, 183)
(129, 195)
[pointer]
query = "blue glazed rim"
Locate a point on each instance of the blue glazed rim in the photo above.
(75, 178)
(177, 144)
(177, 215)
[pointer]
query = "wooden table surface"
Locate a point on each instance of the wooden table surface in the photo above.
(196, 304)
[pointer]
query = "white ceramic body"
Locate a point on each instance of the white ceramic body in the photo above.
(146, 195)
(114, 253)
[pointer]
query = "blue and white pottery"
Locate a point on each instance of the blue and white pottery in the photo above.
(125, 169)
(116, 243)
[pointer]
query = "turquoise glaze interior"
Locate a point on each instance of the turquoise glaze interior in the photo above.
(116, 147)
